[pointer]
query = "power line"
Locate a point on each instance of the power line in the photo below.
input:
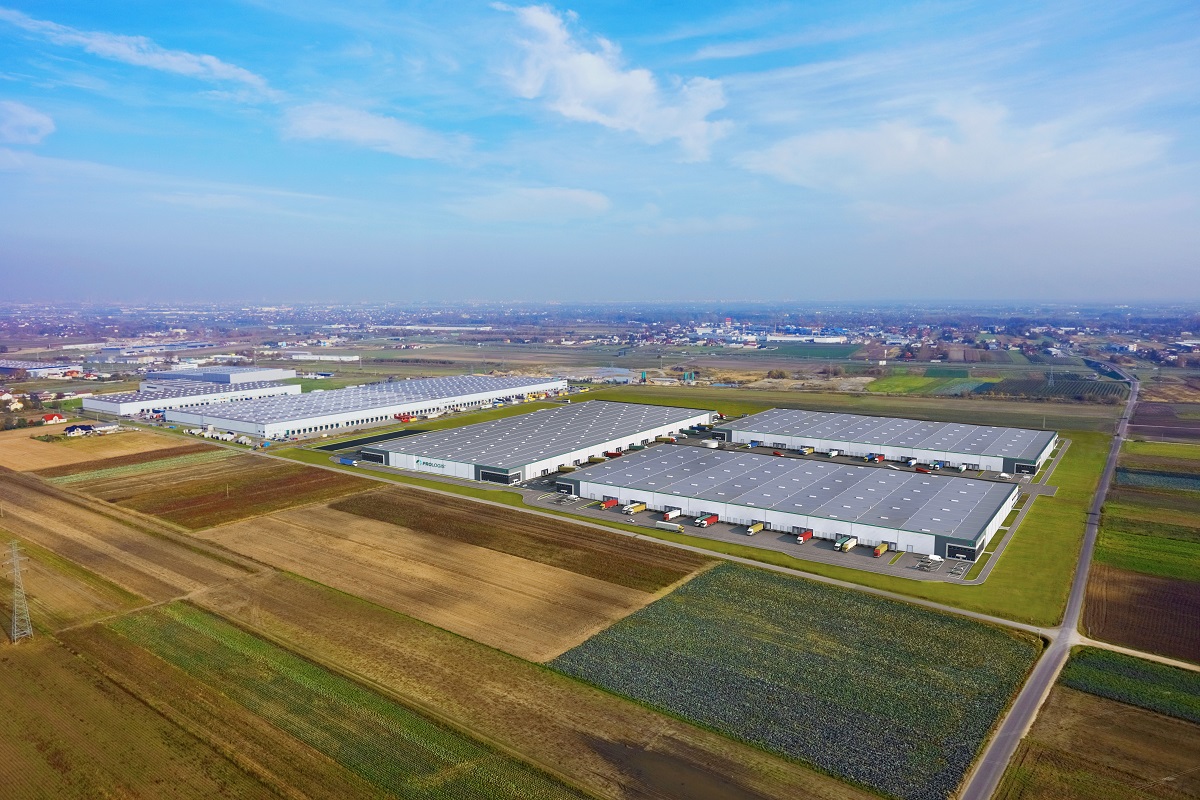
(22, 628)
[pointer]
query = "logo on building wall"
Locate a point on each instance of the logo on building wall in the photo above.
(431, 464)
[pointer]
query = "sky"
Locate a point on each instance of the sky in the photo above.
(366, 150)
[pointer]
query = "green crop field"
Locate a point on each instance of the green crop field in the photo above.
(904, 384)
(1077, 389)
(947, 372)
(387, 744)
(885, 694)
(1157, 687)
(977, 409)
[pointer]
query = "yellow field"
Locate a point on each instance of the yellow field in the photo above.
(20, 451)
(529, 609)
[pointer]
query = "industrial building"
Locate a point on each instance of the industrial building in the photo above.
(228, 375)
(1013, 450)
(951, 517)
(518, 449)
(181, 394)
(320, 412)
(36, 369)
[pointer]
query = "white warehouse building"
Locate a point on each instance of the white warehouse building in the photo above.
(183, 394)
(517, 449)
(319, 412)
(984, 447)
(227, 375)
(932, 514)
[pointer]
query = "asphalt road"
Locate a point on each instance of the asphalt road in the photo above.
(982, 783)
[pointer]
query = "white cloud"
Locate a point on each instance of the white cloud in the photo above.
(139, 51)
(542, 204)
(590, 84)
(970, 146)
(698, 226)
(20, 124)
(362, 128)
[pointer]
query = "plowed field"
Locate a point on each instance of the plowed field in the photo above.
(1084, 747)
(20, 451)
(622, 560)
(610, 747)
(1145, 612)
(524, 607)
(139, 560)
(212, 493)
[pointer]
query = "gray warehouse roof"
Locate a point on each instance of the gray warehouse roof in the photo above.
(185, 388)
(226, 375)
(516, 441)
(951, 437)
(286, 408)
(960, 508)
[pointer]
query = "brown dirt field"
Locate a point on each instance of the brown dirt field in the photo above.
(139, 559)
(67, 732)
(18, 451)
(61, 594)
(276, 758)
(1084, 747)
(606, 745)
(1170, 393)
(1158, 615)
(213, 493)
(125, 460)
(633, 563)
(531, 610)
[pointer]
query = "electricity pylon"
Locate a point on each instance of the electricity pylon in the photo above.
(22, 628)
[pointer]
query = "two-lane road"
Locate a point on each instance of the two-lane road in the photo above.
(982, 783)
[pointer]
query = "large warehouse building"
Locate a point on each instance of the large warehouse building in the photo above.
(180, 394)
(227, 375)
(517, 449)
(910, 511)
(1014, 450)
(327, 411)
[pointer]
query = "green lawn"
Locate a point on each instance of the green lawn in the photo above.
(904, 384)
(1029, 584)
(1152, 555)
(1162, 449)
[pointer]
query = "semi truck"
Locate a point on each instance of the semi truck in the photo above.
(776, 453)
(634, 508)
(610, 503)
(924, 470)
(596, 459)
(807, 451)
(706, 520)
(711, 444)
(850, 543)
(834, 453)
(754, 528)
(566, 468)
(803, 535)
(669, 526)
(349, 462)
(880, 549)
(614, 454)
(665, 439)
(910, 462)
(672, 513)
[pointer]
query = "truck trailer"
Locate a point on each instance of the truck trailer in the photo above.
(611, 502)
(803, 535)
(850, 543)
(672, 513)
(880, 549)
(706, 520)
(669, 526)
(755, 528)
(634, 508)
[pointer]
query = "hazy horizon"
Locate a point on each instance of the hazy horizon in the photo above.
(311, 151)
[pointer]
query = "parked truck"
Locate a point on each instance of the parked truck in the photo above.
(776, 453)
(611, 502)
(672, 513)
(834, 453)
(566, 468)
(596, 459)
(880, 549)
(669, 526)
(711, 444)
(754, 528)
(924, 470)
(839, 541)
(850, 543)
(634, 508)
(803, 535)
(349, 462)
(665, 439)
(706, 520)
(807, 451)
(614, 454)
(910, 462)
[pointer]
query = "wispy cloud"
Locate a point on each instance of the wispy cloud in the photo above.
(589, 83)
(20, 124)
(786, 41)
(139, 51)
(534, 204)
(374, 131)
(966, 145)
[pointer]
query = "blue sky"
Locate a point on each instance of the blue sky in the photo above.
(370, 150)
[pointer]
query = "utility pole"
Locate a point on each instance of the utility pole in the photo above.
(22, 628)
